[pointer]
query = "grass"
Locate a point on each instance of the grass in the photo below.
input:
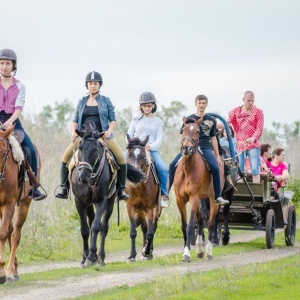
(278, 279)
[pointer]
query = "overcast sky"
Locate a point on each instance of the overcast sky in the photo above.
(173, 48)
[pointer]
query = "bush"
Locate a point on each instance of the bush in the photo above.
(294, 185)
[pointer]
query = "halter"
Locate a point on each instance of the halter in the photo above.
(5, 159)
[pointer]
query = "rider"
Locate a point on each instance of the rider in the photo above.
(97, 108)
(148, 124)
(209, 147)
(12, 100)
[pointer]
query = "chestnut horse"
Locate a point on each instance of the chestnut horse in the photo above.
(9, 208)
(143, 205)
(192, 182)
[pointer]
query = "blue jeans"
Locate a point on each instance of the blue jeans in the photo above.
(162, 170)
(254, 157)
(214, 169)
(26, 144)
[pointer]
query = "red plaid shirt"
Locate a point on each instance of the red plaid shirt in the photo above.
(247, 125)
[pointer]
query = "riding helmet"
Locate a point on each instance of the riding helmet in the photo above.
(10, 55)
(148, 97)
(93, 76)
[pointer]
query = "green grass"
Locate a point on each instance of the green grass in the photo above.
(271, 280)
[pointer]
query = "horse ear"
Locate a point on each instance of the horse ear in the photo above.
(145, 141)
(8, 131)
(79, 133)
(128, 138)
(99, 135)
(199, 121)
(183, 119)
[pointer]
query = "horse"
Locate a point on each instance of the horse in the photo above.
(143, 205)
(192, 182)
(14, 203)
(93, 180)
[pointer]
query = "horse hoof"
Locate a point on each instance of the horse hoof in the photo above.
(102, 264)
(146, 254)
(3, 279)
(186, 258)
(209, 257)
(200, 255)
(149, 257)
(82, 265)
(89, 263)
(10, 280)
(17, 277)
(131, 259)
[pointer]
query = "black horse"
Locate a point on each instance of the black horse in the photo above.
(94, 185)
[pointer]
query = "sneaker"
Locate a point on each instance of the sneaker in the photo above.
(164, 201)
(221, 201)
(36, 195)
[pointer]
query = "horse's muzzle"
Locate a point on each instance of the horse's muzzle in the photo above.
(187, 150)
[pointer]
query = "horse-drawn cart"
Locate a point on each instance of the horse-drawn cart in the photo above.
(251, 208)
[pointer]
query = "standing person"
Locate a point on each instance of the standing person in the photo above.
(209, 147)
(97, 108)
(149, 124)
(248, 123)
(12, 100)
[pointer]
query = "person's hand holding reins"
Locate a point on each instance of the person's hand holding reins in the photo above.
(74, 136)
(107, 133)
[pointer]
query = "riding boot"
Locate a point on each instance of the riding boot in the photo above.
(65, 185)
(122, 174)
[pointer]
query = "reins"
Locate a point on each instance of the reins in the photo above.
(5, 160)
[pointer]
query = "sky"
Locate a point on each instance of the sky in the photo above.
(176, 49)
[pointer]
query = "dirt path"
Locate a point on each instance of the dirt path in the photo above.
(77, 286)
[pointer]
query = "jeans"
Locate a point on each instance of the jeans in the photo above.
(26, 143)
(214, 169)
(254, 157)
(162, 171)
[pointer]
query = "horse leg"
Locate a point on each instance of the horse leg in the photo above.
(150, 234)
(200, 241)
(15, 237)
(226, 211)
(84, 228)
(104, 228)
(182, 211)
(133, 233)
(211, 224)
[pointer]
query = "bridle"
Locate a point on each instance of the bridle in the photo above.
(95, 171)
(145, 160)
(5, 159)
(191, 149)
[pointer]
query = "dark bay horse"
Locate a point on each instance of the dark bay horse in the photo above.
(13, 206)
(192, 182)
(143, 205)
(94, 185)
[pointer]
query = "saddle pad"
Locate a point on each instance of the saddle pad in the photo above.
(17, 151)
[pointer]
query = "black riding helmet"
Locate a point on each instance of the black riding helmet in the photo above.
(10, 55)
(93, 76)
(147, 97)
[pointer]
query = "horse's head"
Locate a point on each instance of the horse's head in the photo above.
(89, 153)
(190, 136)
(136, 155)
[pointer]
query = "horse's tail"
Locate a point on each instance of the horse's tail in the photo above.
(134, 175)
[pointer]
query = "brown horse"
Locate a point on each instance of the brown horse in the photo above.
(9, 192)
(193, 182)
(143, 205)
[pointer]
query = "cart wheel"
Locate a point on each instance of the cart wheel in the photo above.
(290, 230)
(270, 228)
